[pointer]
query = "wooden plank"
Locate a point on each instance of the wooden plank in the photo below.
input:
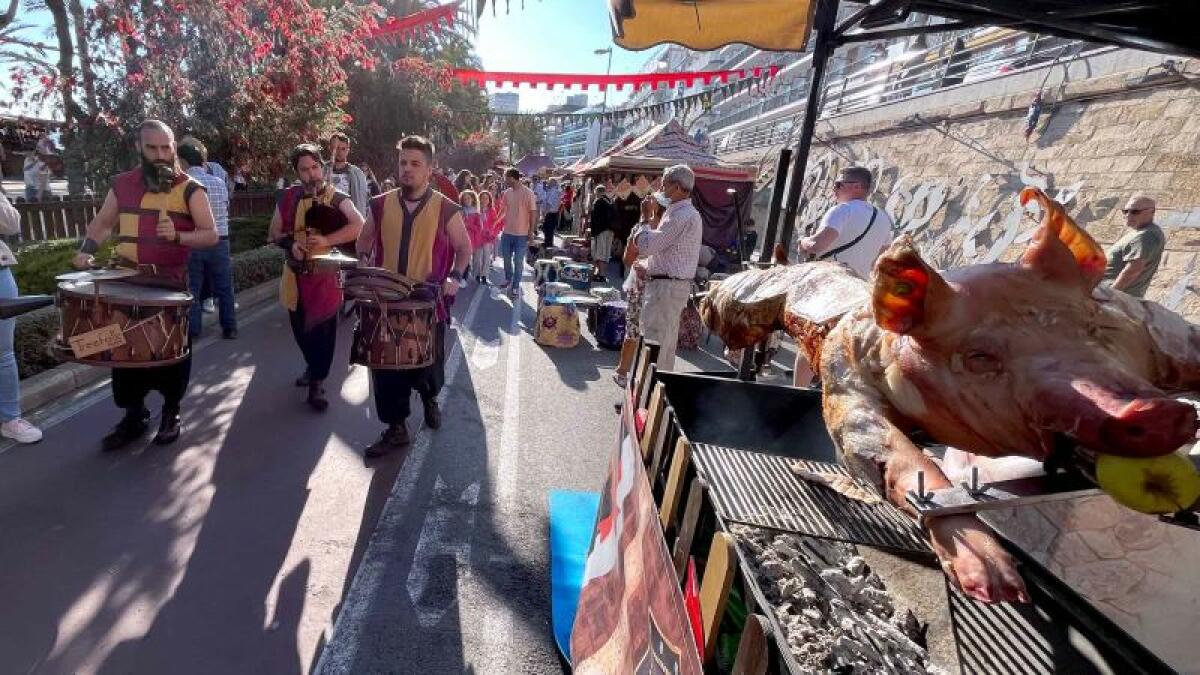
(753, 654)
(674, 492)
(640, 374)
(719, 571)
(658, 444)
(654, 418)
(687, 526)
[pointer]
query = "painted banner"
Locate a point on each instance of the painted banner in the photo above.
(635, 80)
(631, 616)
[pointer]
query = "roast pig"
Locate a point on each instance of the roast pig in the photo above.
(997, 360)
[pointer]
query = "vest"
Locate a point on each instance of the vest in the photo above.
(140, 210)
(317, 292)
(415, 244)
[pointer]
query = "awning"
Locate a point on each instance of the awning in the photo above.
(1167, 26)
(765, 24)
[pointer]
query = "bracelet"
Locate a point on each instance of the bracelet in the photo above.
(89, 246)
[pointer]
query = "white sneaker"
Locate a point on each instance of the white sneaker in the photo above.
(20, 431)
(209, 307)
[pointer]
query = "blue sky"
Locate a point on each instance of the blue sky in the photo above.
(552, 36)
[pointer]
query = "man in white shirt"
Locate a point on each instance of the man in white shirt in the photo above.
(343, 175)
(853, 233)
(673, 251)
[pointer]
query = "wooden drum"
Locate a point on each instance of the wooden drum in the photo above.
(110, 323)
(397, 319)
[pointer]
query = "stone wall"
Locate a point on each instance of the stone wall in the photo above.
(950, 176)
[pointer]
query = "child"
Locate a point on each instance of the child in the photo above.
(492, 222)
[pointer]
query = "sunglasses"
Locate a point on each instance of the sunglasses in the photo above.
(839, 184)
(1131, 211)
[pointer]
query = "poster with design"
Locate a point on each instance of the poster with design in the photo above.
(631, 616)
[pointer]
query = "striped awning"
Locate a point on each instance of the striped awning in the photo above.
(765, 24)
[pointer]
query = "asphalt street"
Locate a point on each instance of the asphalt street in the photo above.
(237, 549)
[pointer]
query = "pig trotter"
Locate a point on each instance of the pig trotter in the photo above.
(974, 561)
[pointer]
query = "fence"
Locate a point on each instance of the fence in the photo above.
(67, 217)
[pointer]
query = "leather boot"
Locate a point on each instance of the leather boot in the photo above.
(394, 438)
(169, 428)
(316, 396)
(129, 429)
(433, 414)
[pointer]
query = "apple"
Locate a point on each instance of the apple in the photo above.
(1163, 484)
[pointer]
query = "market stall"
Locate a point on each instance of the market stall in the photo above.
(667, 144)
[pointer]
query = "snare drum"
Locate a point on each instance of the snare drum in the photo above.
(394, 335)
(109, 323)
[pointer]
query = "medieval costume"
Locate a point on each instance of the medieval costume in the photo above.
(311, 294)
(410, 238)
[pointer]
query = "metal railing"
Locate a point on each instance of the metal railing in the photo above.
(876, 80)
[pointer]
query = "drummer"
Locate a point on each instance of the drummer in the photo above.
(157, 248)
(417, 232)
(310, 293)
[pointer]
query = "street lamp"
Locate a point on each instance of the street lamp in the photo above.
(604, 102)
(743, 255)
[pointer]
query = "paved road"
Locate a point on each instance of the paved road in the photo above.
(232, 551)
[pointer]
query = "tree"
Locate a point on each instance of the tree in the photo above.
(476, 153)
(412, 93)
(526, 136)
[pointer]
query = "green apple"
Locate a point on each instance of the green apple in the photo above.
(1163, 484)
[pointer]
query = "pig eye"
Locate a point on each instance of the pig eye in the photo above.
(982, 362)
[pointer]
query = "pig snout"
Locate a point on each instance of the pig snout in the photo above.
(1150, 427)
(1140, 423)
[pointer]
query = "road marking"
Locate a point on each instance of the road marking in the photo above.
(497, 645)
(441, 536)
(342, 647)
(485, 354)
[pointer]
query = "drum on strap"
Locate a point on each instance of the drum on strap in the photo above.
(105, 322)
(397, 320)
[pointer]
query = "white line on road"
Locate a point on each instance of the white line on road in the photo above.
(340, 651)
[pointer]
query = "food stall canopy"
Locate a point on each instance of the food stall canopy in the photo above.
(765, 24)
(664, 145)
(531, 164)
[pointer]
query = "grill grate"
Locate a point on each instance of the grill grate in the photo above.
(1001, 639)
(760, 489)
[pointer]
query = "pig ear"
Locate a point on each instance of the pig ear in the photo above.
(906, 289)
(1061, 250)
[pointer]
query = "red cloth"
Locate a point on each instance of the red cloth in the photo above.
(493, 224)
(417, 22)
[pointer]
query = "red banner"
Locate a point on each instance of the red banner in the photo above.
(631, 617)
(635, 80)
(394, 28)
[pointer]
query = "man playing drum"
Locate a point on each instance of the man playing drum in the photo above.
(159, 212)
(309, 292)
(417, 232)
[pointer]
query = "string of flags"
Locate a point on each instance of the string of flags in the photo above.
(396, 29)
(653, 111)
(619, 80)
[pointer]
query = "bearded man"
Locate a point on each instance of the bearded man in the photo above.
(159, 213)
(417, 232)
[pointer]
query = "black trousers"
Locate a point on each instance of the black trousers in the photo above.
(549, 227)
(393, 388)
(317, 343)
(130, 385)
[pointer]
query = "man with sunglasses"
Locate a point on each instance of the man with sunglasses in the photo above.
(854, 232)
(1133, 260)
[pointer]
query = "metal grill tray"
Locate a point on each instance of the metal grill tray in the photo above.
(1003, 639)
(760, 489)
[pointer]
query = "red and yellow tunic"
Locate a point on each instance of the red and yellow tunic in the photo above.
(139, 212)
(414, 243)
(316, 292)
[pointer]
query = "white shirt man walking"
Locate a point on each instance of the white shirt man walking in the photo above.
(343, 175)
(673, 250)
(853, 233)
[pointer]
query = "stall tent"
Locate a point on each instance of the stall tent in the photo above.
(668, 144)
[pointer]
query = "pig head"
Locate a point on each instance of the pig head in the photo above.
(1011, 358)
